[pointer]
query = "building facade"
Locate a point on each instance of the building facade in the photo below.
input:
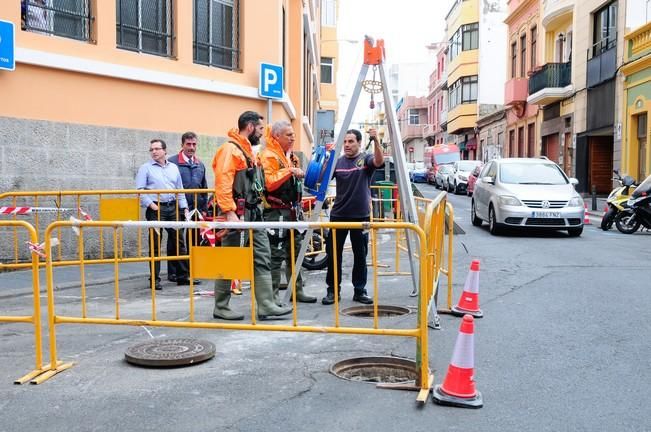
(94, 83)
(435, 131)
(523, 57)
(412, 117)
(635, 130)
(462, 24)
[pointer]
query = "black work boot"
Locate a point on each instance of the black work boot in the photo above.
(361, 297)
(329, 298)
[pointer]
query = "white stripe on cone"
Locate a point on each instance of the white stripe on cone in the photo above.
(464, 351)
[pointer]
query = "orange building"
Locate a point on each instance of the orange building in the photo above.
(96, 80)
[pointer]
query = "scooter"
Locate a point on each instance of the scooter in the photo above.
(638, 212)
(617, 199)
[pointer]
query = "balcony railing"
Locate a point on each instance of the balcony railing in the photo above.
(409, 132)
(603, 64)
(551, 75)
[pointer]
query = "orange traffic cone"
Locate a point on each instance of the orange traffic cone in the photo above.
(458, 388)
(586, 217)
(469, 300)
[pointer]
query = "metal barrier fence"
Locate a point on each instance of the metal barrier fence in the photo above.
(40, 208)
(237, 263)
(35, 318)
(111, 205)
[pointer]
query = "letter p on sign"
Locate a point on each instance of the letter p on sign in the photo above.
(271, 81)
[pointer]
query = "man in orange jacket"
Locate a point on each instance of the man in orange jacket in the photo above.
(283, 190)
(239, 184)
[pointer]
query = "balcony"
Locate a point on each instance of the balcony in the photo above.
(409, 132)
(603, 65)
(516, 91)
(429, 130)
(554, 10)
(443, 119)
(551, 83)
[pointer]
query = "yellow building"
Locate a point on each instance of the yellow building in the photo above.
(462, 23)
(94, 83)
(636, 158)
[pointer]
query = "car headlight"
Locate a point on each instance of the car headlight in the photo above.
(577, 201)
(509, 200)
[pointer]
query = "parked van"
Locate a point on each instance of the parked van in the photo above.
(439, 155)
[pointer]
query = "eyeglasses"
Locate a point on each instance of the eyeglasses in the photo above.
(156, 148)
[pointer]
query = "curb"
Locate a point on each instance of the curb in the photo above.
(27, 291)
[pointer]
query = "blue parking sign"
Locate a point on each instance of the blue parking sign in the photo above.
(271, 81)
(7, 46)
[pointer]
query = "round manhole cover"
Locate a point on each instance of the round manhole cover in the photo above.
(385, 311)
(170, 352)
(376, 370)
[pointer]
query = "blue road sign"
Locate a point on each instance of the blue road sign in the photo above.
(7, 46)
(271, 81)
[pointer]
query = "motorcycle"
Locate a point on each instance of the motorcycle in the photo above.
(617, 199)
(638, 211)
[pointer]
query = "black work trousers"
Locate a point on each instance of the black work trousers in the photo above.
(359, 241)
(177, 267)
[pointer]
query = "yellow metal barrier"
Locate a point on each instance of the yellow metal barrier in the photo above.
(35, 317)
(203, 263)
(103, 205)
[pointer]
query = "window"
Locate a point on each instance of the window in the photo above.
(216, 33)
(470, 36)
(464, 39)
(328, 13)
(145, 26)
(413, 117)
(514, 59)
(523, 55)
(531, 140)
(327, 70)
(511, 151)
(605, 29)
(533, 38)
(463, 90)
(66, 18)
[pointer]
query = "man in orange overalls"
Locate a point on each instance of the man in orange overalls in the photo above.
(239, 184)
(283, 190)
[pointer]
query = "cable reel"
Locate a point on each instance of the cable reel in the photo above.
(317, 169)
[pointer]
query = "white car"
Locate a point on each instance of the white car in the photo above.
(457, 181)
(526, 193)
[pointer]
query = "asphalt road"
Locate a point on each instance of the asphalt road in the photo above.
(563, 346)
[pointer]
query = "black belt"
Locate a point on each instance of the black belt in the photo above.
(168, 203)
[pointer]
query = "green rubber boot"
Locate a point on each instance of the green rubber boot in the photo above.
(222, 298)
(301, 296)
(266, 305)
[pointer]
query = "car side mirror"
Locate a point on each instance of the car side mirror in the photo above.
(574, 181)
(488, 179)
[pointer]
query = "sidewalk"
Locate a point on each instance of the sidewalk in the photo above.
(17, 283)
(601, 204)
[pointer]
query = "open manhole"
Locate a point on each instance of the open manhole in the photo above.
(392, 370)
(170, 352)
(385, 311)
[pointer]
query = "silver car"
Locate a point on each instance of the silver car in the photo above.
(526, 193)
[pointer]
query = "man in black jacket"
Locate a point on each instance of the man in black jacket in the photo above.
(193, 175)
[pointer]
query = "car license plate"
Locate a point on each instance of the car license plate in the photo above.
(546, 215)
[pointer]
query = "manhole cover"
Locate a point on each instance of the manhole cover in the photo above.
(376, 370)
(382, 311)
(170, 352)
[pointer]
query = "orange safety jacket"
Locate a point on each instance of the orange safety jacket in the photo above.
(279, 180)
(229, 165)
